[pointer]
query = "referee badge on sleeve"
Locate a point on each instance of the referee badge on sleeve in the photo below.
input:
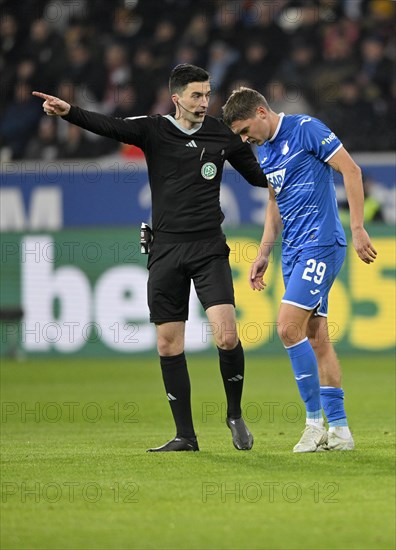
(208, 170)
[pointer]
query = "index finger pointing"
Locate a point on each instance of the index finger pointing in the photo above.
(43, 96)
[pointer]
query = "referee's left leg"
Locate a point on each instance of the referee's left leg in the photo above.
(222, 323)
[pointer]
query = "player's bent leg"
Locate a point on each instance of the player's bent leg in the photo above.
(170, 343)
(223, 326)
(170, 338)
(292, 330)
(232, 367)
(328, 364)
(331, 393)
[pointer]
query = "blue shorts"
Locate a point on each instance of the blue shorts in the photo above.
(309, 276)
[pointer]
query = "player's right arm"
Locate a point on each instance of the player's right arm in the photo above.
(272, 228)
(124, 130)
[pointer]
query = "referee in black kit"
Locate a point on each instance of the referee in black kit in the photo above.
(185, 154)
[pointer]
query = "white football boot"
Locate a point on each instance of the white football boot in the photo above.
(312, 439)
(338, 440)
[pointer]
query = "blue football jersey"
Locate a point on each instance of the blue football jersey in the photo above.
(295, 163)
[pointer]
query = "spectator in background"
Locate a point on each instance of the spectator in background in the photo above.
(297, 68)
(254, 66)
(286, 99)
(185, 53)
(77, 145)
(197, 32)
(45, 145)
(145, 73)
(372, 205)
(84, 71)
(350, 115)
(10, 39)
(375, 71)
(265, 29)
(126, 27)
(20, 120)
(311, 45)
(127, 104)
(162, 104)
(62, 12)
(10, 51)
(340, 30)
(302, 24)
(119, 72)
(386, 116)
(221, 56)
(380, 19)
(26, 71)
(46, 48)
(338, 64)
(225, 23)
(164, 42)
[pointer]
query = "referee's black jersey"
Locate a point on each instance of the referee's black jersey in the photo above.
(185, 166)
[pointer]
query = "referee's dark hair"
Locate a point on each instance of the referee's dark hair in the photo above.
(183, 74)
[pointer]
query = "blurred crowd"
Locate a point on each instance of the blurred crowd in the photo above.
(333, 59)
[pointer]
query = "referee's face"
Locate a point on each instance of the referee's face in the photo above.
(255, 129)
(192, 104)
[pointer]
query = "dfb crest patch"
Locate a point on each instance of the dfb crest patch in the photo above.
(208, 170)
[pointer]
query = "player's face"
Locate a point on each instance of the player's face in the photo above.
(255, 129)
(193, 103)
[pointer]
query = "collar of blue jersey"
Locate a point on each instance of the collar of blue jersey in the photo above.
(281, 115)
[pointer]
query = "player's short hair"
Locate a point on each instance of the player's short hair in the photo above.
(242, 104)
(183, 74)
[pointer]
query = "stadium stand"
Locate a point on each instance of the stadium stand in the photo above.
(333, 59)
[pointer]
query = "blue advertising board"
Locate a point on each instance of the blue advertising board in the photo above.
(115, 192)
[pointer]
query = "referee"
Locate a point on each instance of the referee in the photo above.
(185, 154)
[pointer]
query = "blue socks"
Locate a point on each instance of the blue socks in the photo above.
(333, 405)
(305, 368)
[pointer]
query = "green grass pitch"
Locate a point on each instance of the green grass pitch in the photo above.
(75, 473)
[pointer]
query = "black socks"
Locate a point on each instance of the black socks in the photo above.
(232, 367)
(178, 390)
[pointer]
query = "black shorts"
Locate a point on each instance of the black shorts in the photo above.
(172, 266)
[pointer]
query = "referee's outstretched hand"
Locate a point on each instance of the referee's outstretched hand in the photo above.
(53, 106)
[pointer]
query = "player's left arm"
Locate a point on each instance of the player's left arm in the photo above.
(342, 162)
